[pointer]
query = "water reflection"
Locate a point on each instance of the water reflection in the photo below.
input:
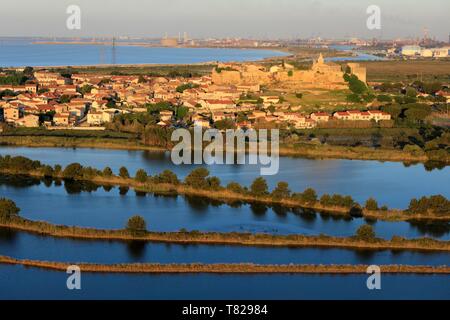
(191, 212)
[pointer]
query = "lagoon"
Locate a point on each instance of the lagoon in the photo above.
(391, 183)
(17, 282)
(88, 205)
(24, 53)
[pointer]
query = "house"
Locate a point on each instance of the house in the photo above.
(29, 121)
(270, 100)
(378, 115)
(320, 116)
(203, 123)
(61, 119)
(11, 113)
(342, 115)
(99, 117)
(219, 104)
(166, 115)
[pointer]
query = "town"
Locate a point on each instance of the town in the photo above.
(231, 97)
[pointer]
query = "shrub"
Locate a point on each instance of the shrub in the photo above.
(371, 204)
(197, 178)
(436, 204)
(72, 171)
(123, 173)
(235, 187)
(365, 232)
(167, 176)
(8, 209)
(213, 183)
(281, 191)
(259, 187)
(136, 225)
(107, 172)
(141, 176)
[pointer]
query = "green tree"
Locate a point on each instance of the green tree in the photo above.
(8, 209)
(309, 196)
(235, 187)
(123, 173)
(169, 177)
(197, 178)
(213, 183)
(107, 172)
(371, 204)
(366, 233)
(259, 187)
(72, 171)
(137, 226)
(141, 176)
(281, 191)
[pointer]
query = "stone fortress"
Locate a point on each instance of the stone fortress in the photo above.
(322, 75)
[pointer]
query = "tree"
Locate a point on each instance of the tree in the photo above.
(235, 187)
(197, 178)
(169, 177)
(72, 171)
(8, 209)
(123, 173)
(141, 176)
(259, 187)
(107, 172)
(281, 191)
(137, 226)
(366, 233)
(213, 183)
(309, 196)
(371, 204)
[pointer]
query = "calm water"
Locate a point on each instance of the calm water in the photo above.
(17, 282)
(67, 203)
(28, 246)
(24, 53)
(359, 55)
(391, 183)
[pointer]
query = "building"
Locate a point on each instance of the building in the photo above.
(320, 116)
(29, 121)
(411, 51)
(61, 119)
(11, 113)
(323, 74)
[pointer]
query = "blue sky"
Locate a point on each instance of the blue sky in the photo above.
(221, 18)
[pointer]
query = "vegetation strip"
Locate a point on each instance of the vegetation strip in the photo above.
(224, 268)
(360, 241)
(107, 141)
(199, 183)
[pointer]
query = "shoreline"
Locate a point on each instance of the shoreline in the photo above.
(149, 268)
(224, 195)
(233, 239)
(311, 151)
(286, 53)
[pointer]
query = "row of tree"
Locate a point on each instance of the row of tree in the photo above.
(200, 179)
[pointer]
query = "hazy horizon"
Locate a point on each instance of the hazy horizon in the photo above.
(231, 18)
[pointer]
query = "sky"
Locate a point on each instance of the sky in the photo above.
(226, 18)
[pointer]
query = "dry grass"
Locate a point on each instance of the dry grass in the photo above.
(224, 268)
(239, 239)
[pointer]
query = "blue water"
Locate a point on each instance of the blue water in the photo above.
(22, 245)
(359, 55)
(391, 183)
(17, 282)
(24, 53)
(107, 209)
